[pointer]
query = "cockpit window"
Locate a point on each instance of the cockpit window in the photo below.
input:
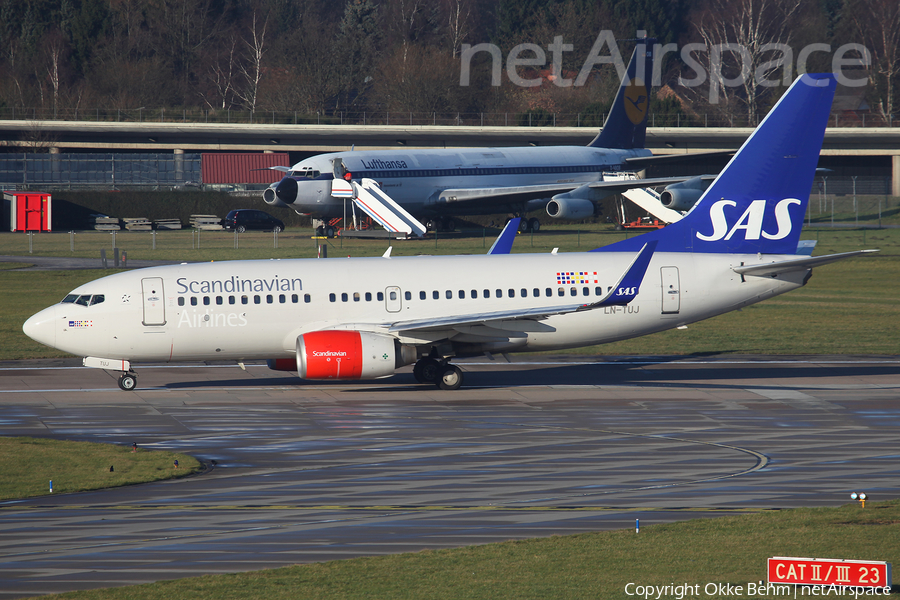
(305, 172)
(84, 299)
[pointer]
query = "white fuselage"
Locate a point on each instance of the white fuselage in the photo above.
(415, 178)
(243, 310)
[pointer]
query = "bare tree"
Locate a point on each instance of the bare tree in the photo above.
(746, 42)
(458, 15)
(251, 68)
(878, 22)
(222, 75)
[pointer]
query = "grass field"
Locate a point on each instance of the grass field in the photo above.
(28, 465)
(731, 549)
(847, 308)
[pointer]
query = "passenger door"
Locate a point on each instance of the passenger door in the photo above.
(154, 307)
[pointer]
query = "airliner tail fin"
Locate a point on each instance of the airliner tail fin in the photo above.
(757, 203)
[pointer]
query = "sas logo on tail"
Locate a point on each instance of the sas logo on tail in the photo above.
(751, 222)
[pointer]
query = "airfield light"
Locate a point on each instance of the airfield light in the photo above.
(861, 496)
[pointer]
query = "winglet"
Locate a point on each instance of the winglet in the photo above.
(629, 285)
(503, 243)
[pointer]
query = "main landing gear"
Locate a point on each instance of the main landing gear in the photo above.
(439, 372)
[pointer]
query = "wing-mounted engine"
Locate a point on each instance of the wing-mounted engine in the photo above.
(341, 354)
(577, 204)
(682, 196)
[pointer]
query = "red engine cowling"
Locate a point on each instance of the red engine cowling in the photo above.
(345, 355)
(282, 364)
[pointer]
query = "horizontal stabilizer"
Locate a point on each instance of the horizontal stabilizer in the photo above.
(795, 264)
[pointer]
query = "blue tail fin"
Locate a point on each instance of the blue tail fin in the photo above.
(757, 203)
(626, 126)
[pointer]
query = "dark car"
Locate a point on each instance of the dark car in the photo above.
(247, 218)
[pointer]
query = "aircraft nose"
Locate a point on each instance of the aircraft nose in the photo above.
(286, 190)
(41, 327)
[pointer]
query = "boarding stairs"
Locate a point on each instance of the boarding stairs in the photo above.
(646, 198)
(372, 200)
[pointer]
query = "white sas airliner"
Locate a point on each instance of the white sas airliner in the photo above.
(737, 246)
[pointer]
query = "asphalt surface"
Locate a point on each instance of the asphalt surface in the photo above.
(301, 472)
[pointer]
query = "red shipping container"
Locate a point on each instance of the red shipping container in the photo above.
(242, 167)
(28, 211)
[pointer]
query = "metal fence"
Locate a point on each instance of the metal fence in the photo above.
(382, 117)
(99, 171)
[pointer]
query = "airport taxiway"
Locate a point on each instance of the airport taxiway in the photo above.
(302, 472)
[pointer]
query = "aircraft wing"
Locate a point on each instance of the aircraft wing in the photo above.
(524, 193)
(794, 264)
(642, 162)
(625, 290)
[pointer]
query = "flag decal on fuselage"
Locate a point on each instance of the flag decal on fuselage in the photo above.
(576, 277)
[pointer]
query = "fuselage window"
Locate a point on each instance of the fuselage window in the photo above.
(449, 294)
(295, 298)
(245, 300)
(598, 291)
(462, 294)
(344, 297)
(535, 292)
(205, 300)
(257, 299)
(586, 291)
(307, 298)
(356, 297)
(573, 291)
(368, 296)
(422, 295)
(511, 293)
(269, 299)
(193, 300)
(230, 299)
(562, 291)
(486, 293)
(523, 292)
(282, 298)
(473, 294)
(380, 296)
(407, 295)
(219, 300)
(548, 292)
(393, 295)
(180, 301)
(498, 293)
(435, 294)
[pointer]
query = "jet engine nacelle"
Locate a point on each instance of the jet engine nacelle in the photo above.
(272, 200)
(340, 354)
(683, 195)
(569, 208)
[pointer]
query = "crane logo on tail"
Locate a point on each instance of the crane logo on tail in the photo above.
(637, 101)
